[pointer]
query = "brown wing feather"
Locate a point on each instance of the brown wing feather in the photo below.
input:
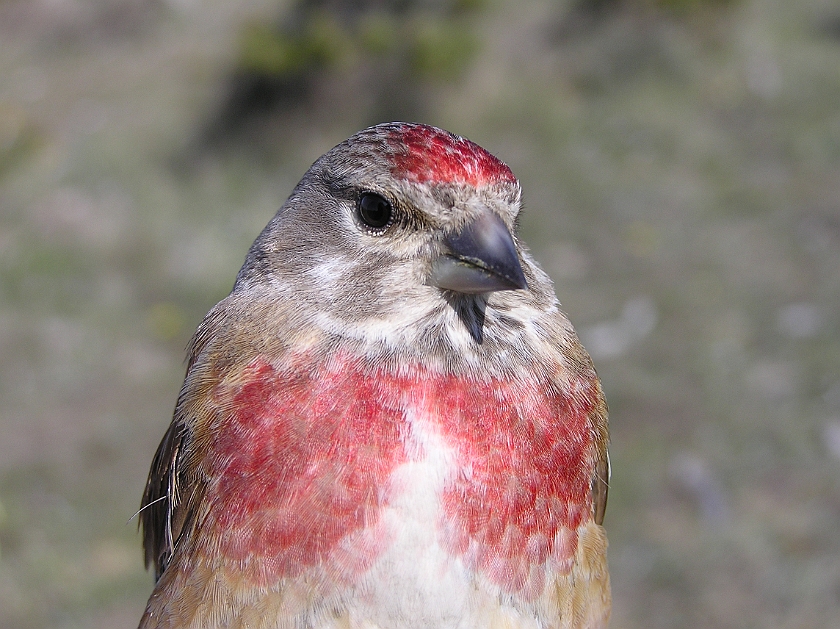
(601, 487)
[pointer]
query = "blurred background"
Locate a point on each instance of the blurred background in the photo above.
(681, 167)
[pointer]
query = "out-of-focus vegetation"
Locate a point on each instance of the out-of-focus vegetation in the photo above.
(372, 59)
(681, 168)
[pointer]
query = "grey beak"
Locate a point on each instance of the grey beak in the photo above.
(481, 257)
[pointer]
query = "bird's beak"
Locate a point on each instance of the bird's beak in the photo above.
(480, 258)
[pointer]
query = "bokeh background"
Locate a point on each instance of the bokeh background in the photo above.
(681, 167)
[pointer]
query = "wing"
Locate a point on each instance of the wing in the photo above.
(601, 487)
(163, 513)
(172, 492)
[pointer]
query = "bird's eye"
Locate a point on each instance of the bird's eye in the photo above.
(374, 210)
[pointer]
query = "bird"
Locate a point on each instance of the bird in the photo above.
(389, 423)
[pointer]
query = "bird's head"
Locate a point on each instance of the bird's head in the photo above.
(401, 230)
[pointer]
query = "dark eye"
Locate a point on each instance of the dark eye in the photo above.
(374, 210)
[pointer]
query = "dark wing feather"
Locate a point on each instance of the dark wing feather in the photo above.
(161, 517)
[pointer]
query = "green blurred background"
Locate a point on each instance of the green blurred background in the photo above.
(681, 168)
